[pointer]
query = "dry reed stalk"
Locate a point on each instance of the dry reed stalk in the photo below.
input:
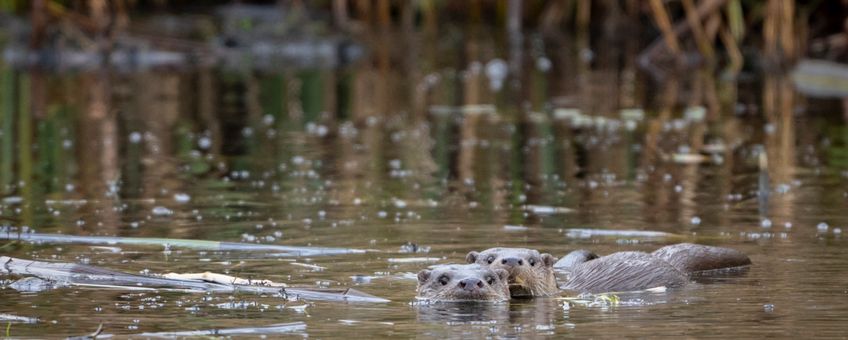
(732, 47)
(770, 27)
(384, 13)
(704, 43)
(664, 23)
(787, 25)
(584, 14)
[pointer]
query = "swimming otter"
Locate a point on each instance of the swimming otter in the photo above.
(463, 282)
(670, 266)
(530, 272)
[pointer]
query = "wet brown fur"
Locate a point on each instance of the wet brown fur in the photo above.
(443, 283)
(670, 266)
(624, 271)
(692, 258)
(530, 272)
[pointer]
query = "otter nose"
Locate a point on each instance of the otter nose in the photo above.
(512, 261)
(470, 283)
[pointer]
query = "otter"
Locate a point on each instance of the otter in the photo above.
(530, 273)
(463, 282)
(670, 266)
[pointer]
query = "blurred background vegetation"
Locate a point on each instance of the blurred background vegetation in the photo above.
(715, 30)
(101, 97)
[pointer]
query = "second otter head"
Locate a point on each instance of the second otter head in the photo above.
(463, 282)
(530, 272)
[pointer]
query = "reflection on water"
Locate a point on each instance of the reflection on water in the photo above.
(419, 145)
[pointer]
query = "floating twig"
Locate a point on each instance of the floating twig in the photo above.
(280, 250)
(89, 276)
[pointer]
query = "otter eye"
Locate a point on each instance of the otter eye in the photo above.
(444, 280)
(490, 259)
(532, 261)
(490, 280)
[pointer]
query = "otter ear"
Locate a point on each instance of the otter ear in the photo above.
(472, 257)
(548, 260)
(503, 274)
(423, 276)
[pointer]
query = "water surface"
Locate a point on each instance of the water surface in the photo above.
(401, 147)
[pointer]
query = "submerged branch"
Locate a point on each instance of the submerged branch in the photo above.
(279, 250)
(72, 274)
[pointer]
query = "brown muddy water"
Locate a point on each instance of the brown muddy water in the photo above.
(424, 145)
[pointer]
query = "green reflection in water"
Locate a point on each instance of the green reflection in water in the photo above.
(7, 111)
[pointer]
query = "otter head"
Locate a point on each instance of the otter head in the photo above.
(468, 282)
(530, 273)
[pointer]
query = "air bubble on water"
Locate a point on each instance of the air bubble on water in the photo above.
(837, 231)
(382, 214)
(496, 71)
(587, 55)
(822, 227)
(768, 308)
(135, 137)
(204, 143)
(769, 128)
(400, 204)
(162, 211)
(395, 164)
(696, 220)
(182, 197)
(678, 188)
(765, 223)
(543, 64)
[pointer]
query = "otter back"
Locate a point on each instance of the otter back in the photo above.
(624, 271)
(693, 258)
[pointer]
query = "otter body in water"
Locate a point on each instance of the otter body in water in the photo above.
(696, 259)
(623, 271)
(530, 273)
(468, 282)
(670, 266)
